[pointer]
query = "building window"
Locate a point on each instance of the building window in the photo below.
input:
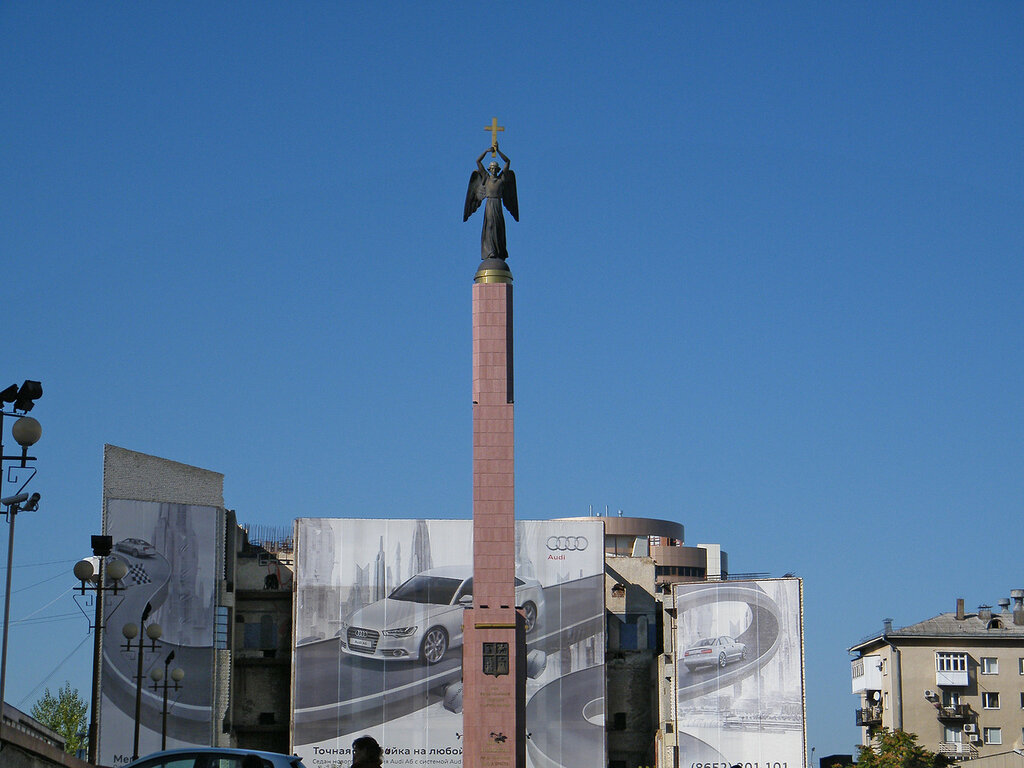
(993, 735)
(951, 662)
(954, 735)
(619, 545)
(989, 665)
(990, 700)
(1020, 666)
(220, 629)
(952, 698)
(1022, 701)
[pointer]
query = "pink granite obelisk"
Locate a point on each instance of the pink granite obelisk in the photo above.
(494, 646)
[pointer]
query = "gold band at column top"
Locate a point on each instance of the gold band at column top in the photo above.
(492, 276)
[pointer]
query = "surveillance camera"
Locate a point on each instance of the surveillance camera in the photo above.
(13, 501)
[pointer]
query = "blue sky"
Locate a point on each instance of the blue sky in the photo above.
(768, 278)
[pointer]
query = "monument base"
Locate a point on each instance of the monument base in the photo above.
(493, 271)
(494, 678)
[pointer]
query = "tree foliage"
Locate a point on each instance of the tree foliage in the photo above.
(63, 713)
(897, 749)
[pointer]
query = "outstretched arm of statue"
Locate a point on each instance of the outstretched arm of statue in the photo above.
(480, 162)
(502, 154)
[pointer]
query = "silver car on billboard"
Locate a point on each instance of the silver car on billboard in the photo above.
(135, 547)
(422, 618)
(714, 651)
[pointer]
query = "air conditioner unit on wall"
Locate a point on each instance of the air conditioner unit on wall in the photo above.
(975, 739)
(931, 695)
(970, 728)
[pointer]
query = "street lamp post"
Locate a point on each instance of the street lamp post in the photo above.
(130, 631)
(26, 432)
(114, 571)
(171, 681)
(14, 506)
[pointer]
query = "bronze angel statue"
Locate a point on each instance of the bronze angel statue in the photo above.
(496, 187)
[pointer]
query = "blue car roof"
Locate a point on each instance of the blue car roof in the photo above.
(213, 750)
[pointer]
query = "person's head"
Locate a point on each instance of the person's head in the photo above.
(493, 168)
(365, 749)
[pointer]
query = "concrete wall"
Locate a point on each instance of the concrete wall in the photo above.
(1004, 760)
(631, 701)
(20, 750)
(261, 646)
(632, 708)
(132, 475)
(918, 667)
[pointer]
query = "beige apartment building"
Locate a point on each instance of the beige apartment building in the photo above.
(955, 680)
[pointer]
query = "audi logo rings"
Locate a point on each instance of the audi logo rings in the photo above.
(567, 543)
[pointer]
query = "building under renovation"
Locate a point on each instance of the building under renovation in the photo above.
(642, 650)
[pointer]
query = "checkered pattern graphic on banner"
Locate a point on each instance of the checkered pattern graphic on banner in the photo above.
(137, 574)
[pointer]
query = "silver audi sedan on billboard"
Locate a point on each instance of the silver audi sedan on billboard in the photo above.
(714, 651)
(422, 618)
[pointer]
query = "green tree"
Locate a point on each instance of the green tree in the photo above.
(63, 713)
(897, 749)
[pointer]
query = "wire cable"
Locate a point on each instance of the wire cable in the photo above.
(30, 586)
(43, 619)
(52, 673)
(49, 562)
(44, 607)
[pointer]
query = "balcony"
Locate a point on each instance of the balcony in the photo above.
(869, 716)
(951, 677)
(956, 713)
(955, 750)
(866, 673)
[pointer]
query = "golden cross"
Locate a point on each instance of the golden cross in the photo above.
(494, 128)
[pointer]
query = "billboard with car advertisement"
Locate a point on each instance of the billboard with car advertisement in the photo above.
(378, 639)
(739, 674)
(171, 551)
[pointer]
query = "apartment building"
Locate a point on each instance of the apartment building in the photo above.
(955, 680)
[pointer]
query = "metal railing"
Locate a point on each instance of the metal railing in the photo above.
(958, 750)
(956, 712)
(867, 716)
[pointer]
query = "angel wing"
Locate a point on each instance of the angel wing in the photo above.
(474, 194)
(508, 193)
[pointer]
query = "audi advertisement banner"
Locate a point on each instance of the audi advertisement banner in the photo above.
(171, 554)
(739, 673)
(378, 639)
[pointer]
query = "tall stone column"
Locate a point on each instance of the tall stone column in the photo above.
(494, 647)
